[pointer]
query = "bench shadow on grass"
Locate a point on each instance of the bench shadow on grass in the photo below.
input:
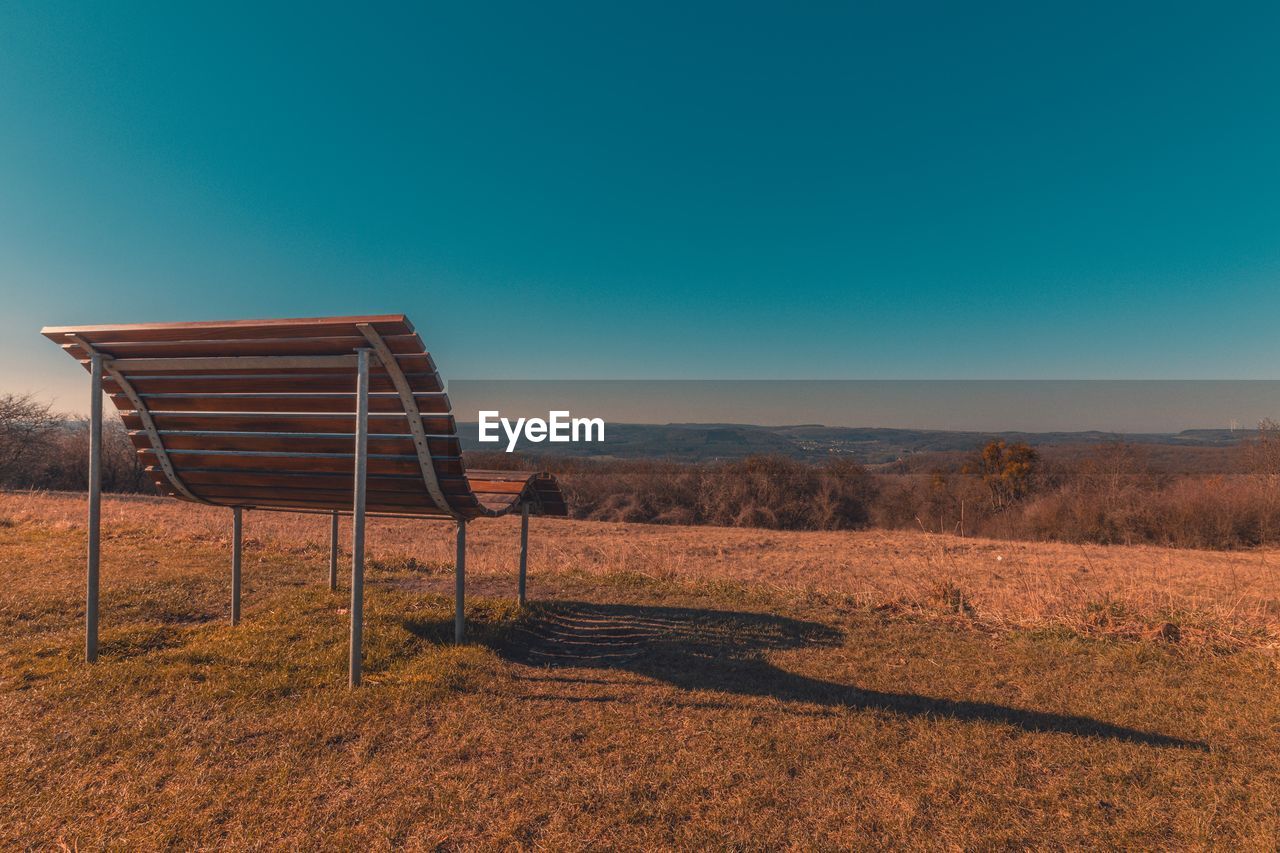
(725, 651)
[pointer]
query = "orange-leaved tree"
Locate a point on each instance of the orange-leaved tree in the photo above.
(1007, 470)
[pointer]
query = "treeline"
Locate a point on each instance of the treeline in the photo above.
(761, 491)
(1111, 494)
(40, 449)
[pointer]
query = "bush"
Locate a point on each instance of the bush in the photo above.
(43, 450)
(761, 491)
(1110, 496)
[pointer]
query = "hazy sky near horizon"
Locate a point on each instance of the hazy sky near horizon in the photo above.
(735, 190)
(981, 405)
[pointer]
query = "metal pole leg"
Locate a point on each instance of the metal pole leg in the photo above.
(524, 549)
(333, 553)
(95, 508)
(236, 539)
(460, 583)
(357, 517)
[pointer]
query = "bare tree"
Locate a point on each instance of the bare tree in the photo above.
(27, 431)
(65, 464)
(1262, 455)
(123, 469)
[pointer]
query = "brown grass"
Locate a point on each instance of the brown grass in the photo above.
(1219, 597)
(682, 687)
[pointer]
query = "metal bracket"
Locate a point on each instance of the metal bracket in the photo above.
(109, 367)
(412, 415)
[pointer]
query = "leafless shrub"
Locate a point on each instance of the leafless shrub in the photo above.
(761, 491)
(1262, 459)
(27, 430)
(1111, 494)
(40, 449)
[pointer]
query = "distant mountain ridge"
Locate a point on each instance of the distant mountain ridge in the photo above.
(814, 442)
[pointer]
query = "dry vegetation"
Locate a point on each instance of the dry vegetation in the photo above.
(674, 686)
(1113, 493)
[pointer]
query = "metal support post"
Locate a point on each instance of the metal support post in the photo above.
(236, 539)
(357, 516)
(333, 553)
(524, 550)
(460, 583)
(95, 507)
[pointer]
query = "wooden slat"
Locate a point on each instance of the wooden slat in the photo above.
(140, 366)
(319, 403)
(490, 474)
(243, 348)
(371, 510)
(329, 497)
(295, 422)
(410, 363)
(426, 510)
(125, 407)
(386, 324)
(310, 383)
(184, 461)
(335, 498)
(401, 445)
(497, 503)
(304, 480)
(496, 487)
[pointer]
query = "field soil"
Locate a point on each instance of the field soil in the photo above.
(667, 687)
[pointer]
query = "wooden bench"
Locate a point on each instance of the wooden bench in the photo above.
(337, 415)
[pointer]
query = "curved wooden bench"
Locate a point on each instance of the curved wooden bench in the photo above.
(331, 414)
(261, 413)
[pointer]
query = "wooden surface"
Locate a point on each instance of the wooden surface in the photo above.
(284, 437)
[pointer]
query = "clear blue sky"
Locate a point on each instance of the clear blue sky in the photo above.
(849, 190)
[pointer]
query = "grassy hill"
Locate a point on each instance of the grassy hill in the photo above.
(671, 687)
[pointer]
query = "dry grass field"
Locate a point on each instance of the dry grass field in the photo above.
(670, 687)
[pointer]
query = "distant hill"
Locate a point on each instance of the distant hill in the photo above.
(869, 445)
